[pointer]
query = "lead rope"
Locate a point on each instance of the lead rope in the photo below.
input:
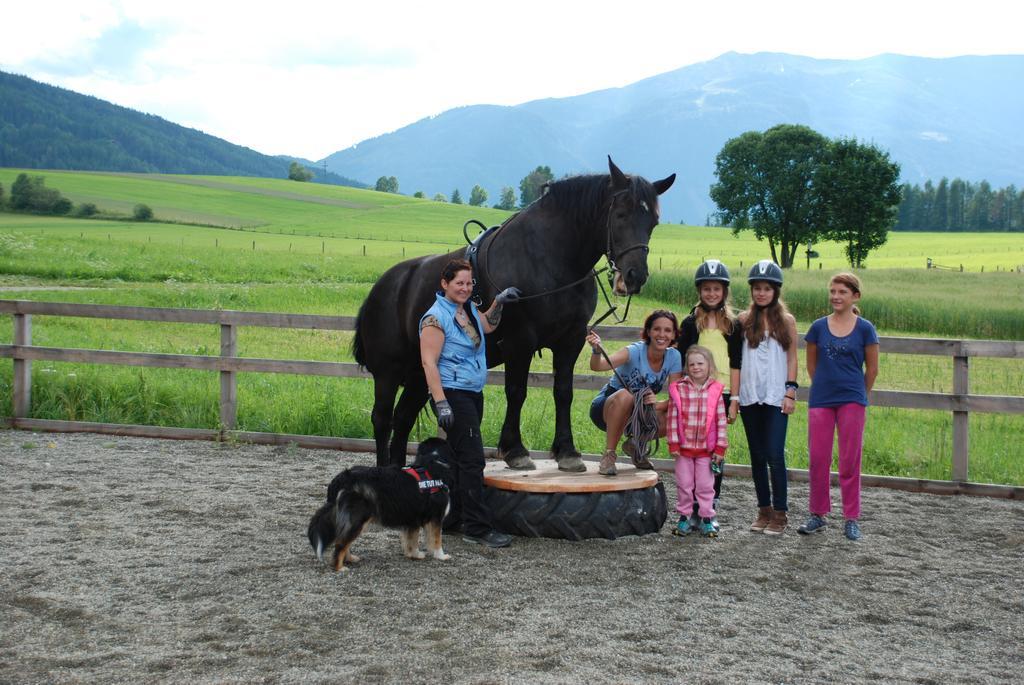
(642, 425)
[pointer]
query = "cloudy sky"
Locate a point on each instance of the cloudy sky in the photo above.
(310, 78)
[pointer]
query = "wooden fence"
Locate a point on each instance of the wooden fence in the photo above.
(960, 402)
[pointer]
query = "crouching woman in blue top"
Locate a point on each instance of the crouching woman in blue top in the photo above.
(453, 353)
(647, 366)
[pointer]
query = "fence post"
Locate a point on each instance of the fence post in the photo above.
(228, 380)
(961, 386)
(22, 367)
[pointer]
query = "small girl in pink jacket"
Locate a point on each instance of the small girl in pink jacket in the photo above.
(697, 437)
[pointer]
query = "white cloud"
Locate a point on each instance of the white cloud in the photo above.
(314, 77)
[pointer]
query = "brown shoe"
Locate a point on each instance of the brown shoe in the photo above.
(639, 461)
(607, 465)
(764, 517)
(778, 525)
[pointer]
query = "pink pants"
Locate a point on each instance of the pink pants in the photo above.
(695, 475)
(822, 423)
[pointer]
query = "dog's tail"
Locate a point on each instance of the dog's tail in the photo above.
(321, 530)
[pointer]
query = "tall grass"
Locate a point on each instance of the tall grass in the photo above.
(309, 259)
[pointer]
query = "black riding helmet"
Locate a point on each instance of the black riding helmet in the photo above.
(765, 270)
(711, 270)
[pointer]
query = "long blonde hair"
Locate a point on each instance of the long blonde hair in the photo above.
(724, 316)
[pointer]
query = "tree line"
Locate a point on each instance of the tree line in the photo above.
(530, 188)
(794, 187)
(30, 195)
(960, 205)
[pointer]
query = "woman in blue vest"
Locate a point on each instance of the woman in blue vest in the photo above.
(453, 353)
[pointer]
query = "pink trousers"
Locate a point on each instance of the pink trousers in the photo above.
(695, 475)
(822, 425)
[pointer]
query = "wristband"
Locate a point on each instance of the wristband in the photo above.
(792, 384)
(594, 351)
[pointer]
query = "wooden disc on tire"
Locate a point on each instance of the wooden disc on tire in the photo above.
(550, 503)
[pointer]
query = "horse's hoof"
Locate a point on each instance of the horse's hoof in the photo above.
(520, 462)
(572, 465)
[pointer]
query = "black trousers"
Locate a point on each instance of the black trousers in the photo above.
(468, 446)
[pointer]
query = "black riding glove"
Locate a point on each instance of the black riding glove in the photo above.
(507, 295)
(445, 415)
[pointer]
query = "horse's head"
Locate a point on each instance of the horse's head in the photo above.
(632, 216)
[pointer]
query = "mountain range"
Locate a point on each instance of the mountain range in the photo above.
(955, 117)
(45, 127)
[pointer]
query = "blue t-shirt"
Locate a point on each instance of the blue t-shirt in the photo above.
(839, 374)
(637, 371)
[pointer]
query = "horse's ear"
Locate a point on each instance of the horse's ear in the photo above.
(664, 184)
(619, 180)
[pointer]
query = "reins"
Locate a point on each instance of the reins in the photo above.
(477, 243)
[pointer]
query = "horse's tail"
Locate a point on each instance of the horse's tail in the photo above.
(358, 348)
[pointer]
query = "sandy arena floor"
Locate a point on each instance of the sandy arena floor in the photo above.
(134, 560)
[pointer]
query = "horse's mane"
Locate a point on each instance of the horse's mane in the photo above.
(584, 199)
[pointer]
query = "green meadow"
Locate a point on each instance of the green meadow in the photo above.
(275, 245)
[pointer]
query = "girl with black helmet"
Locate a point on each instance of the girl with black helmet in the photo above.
(768, 392)
(712, 324)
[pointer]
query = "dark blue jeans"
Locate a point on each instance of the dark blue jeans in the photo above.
(765, 426)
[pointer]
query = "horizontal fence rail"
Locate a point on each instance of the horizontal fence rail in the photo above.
(960, 402)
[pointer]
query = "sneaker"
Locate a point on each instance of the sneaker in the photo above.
(708, 528)
(684, 527)
(607, 465)
(814, 524)
(491, 538)
(851, 530)
(778, 524)
(639, 461)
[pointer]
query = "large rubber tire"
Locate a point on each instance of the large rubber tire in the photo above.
(577, 516)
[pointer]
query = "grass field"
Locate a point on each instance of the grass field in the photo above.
(308, 257)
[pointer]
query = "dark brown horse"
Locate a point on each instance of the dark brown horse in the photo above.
(550, 244)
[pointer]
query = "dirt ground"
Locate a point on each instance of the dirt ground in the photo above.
(134, 560)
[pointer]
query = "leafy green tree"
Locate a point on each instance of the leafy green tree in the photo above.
(767, 182)
(860, 188)
(30, 194)
(440, 197)
(508, 199)
(87, 209)
(297, 172)
(456, 197)
(1, 195)
(532, 184)
(387, 184)
(419, 194)
(142, 212)
(477, 196)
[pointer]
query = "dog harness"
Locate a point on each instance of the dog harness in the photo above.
(425, 481)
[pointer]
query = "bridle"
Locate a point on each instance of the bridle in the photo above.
(490, 234)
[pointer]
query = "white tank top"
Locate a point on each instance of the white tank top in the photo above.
(763, 374)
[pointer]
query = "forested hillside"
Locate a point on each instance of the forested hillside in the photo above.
(44, 127)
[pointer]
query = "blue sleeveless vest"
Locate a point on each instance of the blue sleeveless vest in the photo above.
(463, 365)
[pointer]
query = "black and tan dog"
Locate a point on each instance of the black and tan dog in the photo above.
(408, 499)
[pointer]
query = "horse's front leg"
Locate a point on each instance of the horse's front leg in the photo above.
(510, 444)
(562, 447)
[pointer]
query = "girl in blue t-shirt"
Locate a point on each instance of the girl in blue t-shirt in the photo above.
(647, 366)
(842, 361)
